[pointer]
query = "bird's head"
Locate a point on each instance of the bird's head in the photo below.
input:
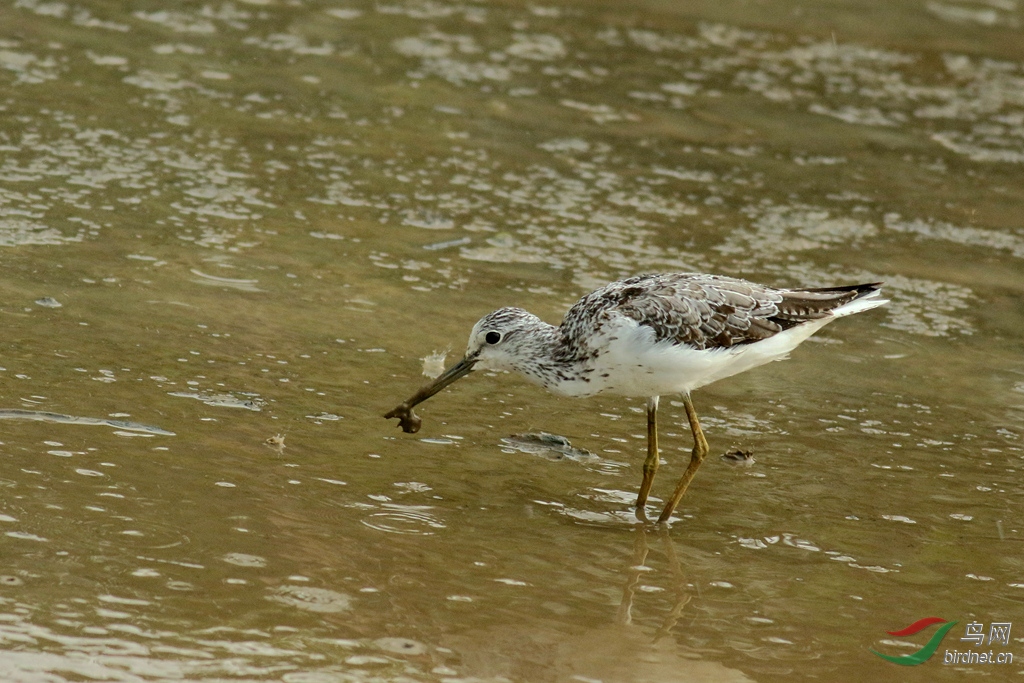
(500, 338)
(497, 342)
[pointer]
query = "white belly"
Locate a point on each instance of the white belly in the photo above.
(634, 365)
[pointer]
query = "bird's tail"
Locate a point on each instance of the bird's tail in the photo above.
(834, 301)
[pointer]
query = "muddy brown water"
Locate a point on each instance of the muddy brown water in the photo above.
(223, 223)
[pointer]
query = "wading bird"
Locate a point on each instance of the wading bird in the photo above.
(648, 336)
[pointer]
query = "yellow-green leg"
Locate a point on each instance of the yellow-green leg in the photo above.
(700, 450)
(652, 461)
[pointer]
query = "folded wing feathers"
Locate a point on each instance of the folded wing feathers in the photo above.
(715, 312)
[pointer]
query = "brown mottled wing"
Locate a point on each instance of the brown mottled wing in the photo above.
(707, 311)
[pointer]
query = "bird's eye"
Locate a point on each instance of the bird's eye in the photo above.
(493, 337)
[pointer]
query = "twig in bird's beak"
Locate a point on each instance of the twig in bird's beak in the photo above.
(408, 420)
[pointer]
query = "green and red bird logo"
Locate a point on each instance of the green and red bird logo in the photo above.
(929, 648)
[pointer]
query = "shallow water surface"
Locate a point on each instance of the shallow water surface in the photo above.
(233, 234)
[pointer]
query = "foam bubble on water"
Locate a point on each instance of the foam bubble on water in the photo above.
(311, 599)
(244, 560)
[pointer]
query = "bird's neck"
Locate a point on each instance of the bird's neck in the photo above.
(547, 359)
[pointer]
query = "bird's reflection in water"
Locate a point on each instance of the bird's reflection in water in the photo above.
(641, 548)
(602, 649)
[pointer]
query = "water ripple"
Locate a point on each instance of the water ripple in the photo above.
(41, 416)
(405, 519)
(311, 599)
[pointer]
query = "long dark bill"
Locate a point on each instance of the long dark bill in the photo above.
(408, 420)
